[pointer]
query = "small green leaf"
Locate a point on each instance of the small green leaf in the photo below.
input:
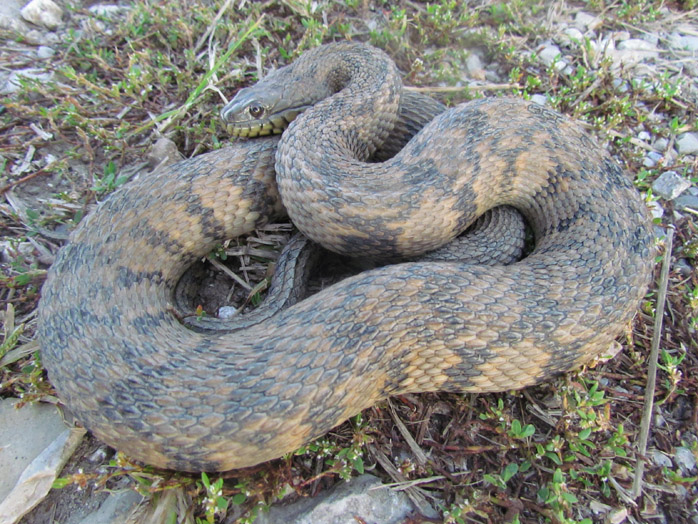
(558, 477)
(511, 470)
(569, 497)
(60, 483)
(222, 503)
(205, 481)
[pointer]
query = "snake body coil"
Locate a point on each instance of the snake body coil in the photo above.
(164, 394)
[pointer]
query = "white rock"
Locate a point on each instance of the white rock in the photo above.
(670, 185)
(637, 44)
(548, 56)
(686, 43)
(571, 37)
(13, 83)
(687, 144)
(227, 312)
(586, 21)
(629, 57)
(644, 136)
(473, 66)
(44, 13)
(109, 10)
(363, 499)
(45, 52)
(11, 20)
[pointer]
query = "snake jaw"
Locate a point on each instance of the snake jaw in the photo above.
(259, 112)
(273, 124)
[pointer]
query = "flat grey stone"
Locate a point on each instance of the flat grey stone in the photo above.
(685, 43)
(670, 185)
(363, 499)
(115, 509)
(685, 460)
(652, 159)
(687, 202)
(687, 144)
(661, 459)
(24, 434)
(14, 84)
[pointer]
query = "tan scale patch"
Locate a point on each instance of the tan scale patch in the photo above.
(493, 375)
(427, 368)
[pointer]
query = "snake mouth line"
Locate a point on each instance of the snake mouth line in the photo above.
(274, 124)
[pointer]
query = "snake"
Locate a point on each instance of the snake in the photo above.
(178, 398)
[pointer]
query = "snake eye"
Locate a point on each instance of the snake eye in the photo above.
(256, 110)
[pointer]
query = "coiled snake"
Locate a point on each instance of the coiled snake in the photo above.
(176, 398)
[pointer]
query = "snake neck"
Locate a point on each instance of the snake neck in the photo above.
(360, 109)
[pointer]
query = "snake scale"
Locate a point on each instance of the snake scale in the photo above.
(176, 398)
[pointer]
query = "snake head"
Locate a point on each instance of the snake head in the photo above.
(265, 108)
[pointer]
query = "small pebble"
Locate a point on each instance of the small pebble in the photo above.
(659, 420)
(621, 85)
(45, 52)
(683, 267)
(652, 159)
(227, 312)
(644, 136)
(651, 38)
(573, 35)
(661, 144)
(687, 144)
(684, 43)
(585, 21)
(109, 10)
(656, 209)
(551, 55)
(539, 99)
